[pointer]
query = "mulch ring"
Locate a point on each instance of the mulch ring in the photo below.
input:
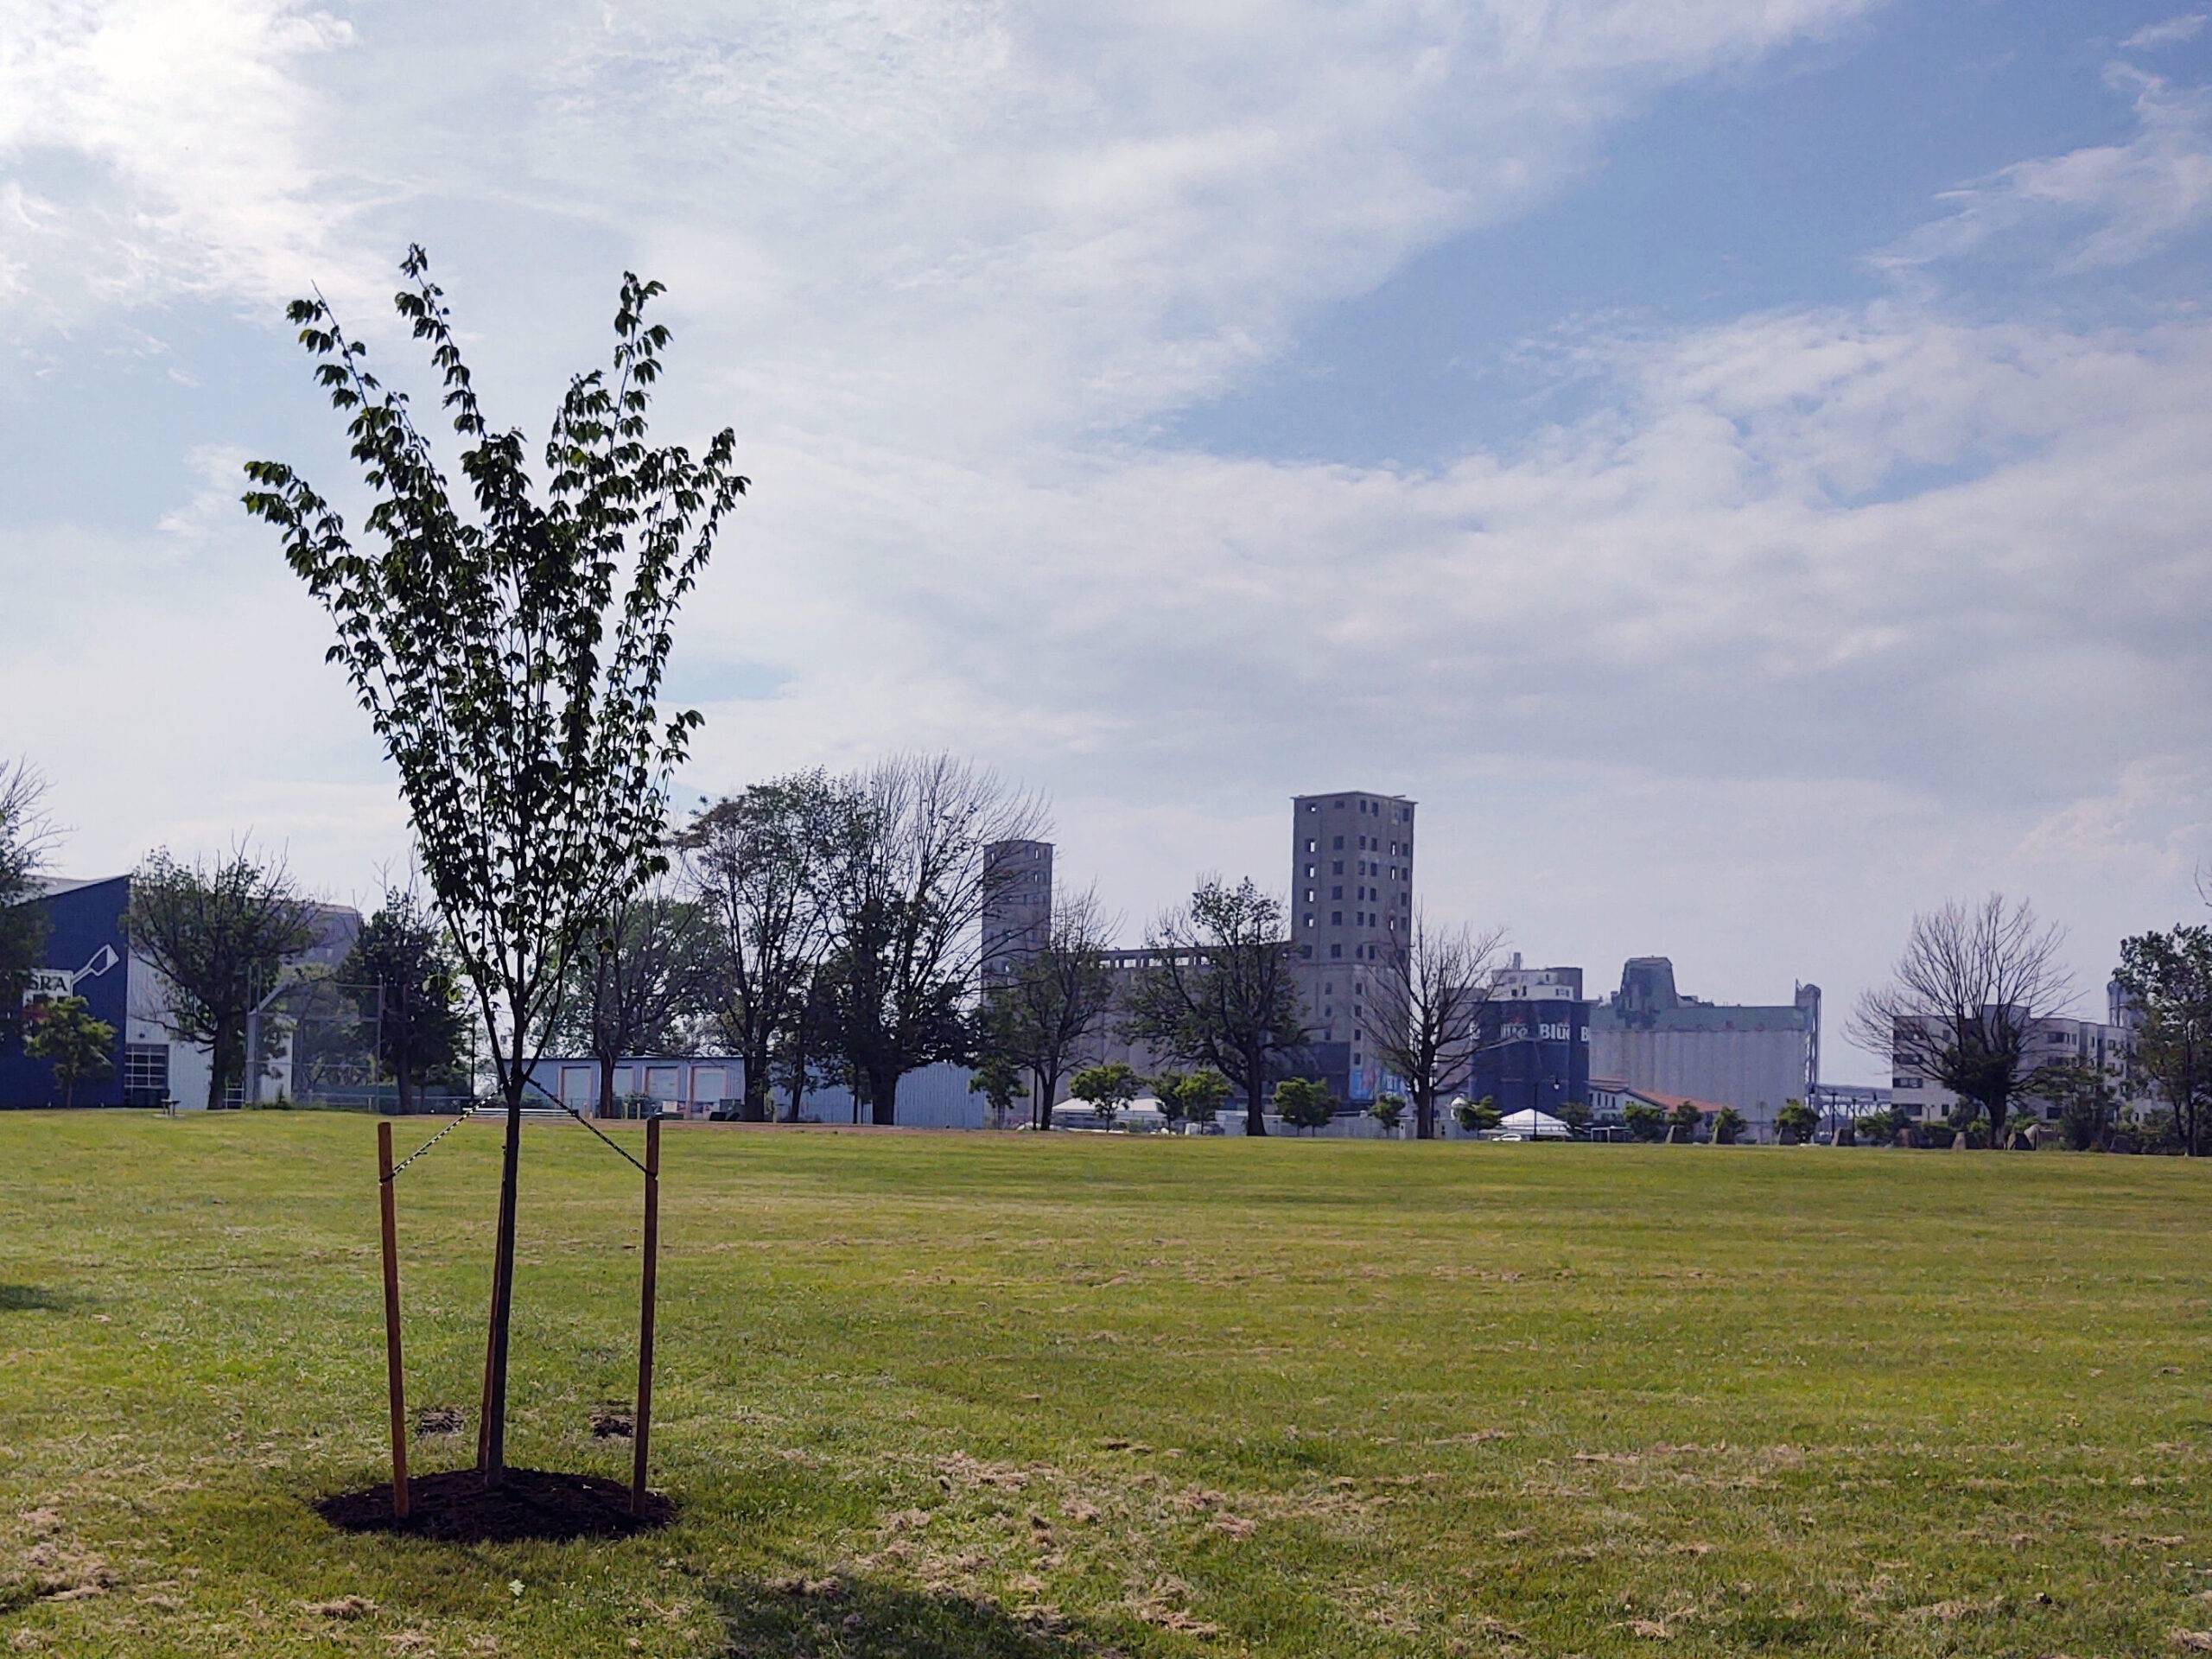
(456, 1507)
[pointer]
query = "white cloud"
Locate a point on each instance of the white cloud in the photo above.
(2172, 32)
(2101, 206)
(181, 136)
(963, 219)
(1837, 507)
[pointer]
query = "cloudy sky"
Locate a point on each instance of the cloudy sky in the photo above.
(1741, 465)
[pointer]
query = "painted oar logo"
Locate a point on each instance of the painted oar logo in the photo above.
(48, 984)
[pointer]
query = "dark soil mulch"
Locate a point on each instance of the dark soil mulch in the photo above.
(456, 1507)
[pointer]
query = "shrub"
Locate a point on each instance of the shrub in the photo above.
(1796, 1122)
(1477, 1116)
(1104, 1089)
(1304, 1104)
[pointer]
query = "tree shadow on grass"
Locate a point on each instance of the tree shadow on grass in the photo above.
(36, 1299)
(850, 1617)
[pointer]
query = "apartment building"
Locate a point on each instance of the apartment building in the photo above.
(2104, 1045)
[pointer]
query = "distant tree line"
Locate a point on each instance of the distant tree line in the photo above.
(1971, 1006)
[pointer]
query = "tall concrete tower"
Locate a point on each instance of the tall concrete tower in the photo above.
(1018, 905)
(1351, 886)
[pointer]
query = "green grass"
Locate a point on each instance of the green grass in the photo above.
(954, 1394)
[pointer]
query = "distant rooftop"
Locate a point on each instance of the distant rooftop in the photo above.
(48, 886)
(1647, 1001)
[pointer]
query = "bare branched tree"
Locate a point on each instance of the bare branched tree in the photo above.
(1220, 989)
(1057, 998)
(908, 888)
(1423, 1007)
(27, 838)
(757, 861)
(1972, 991)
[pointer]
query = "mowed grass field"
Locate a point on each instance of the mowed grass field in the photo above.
(1025, 1395)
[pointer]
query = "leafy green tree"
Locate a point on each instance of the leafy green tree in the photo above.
(508, 642)
(1477, 1116)
(2168, 978)
(1000, 1083)
(808, 1051)
(413, 992)
(79, 1048)
(218, 931)
(1576, 1115)
(1304, 1103)
(1796, 1122)
(1389, 1111)
(1105, 1089)
(1202, 1094)
(1727, 1125)
(2086, 1106)
(1645, 1122)
(760, 864)
(1218, 989)
(1685, 1117)
(27, 837)
(1167, 1089)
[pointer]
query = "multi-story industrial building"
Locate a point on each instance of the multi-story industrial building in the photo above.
(1352, 903)
(1018, 905)
(1754, 1057)
(1351, 906)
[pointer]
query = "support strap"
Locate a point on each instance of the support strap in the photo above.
(393, 1173)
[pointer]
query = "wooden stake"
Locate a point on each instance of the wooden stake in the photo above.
(645, 1423)
(395, 1376)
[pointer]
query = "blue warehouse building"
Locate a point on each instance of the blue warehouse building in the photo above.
(1533, 1047)
(85, 955)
